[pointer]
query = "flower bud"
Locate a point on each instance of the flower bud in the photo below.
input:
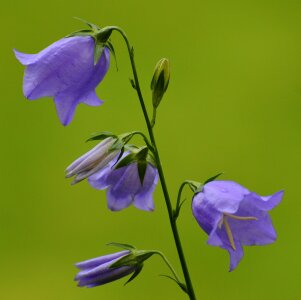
(104, 269)
(93, 161)
(160, 81)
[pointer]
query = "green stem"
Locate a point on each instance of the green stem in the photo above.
(172, 220)
(153, 122)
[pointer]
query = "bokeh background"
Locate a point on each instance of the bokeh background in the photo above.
(233, 105)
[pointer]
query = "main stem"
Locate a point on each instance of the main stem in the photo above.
(172, 220)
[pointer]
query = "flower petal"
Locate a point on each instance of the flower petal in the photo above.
(91, 99)
(205, 213)
(235, 255)
(144, 198)
(225, 196)
(125, 181)
(91, 263)
(106, 277)
(265, 202)
(25, 59)
(219, 237)
(99, 179)
(252, 232)
(65, 107)
(117, 202)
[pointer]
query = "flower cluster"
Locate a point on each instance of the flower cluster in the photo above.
(124, 186)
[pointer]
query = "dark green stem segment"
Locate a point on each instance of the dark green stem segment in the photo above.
(172, 220)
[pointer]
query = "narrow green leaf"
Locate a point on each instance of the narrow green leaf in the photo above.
(180, 284)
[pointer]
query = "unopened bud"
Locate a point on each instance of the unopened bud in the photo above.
(160, 81)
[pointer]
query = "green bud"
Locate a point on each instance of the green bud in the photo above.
(160, 81)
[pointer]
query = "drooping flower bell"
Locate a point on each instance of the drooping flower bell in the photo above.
(232, 216)
(66, 71)
(126, 185)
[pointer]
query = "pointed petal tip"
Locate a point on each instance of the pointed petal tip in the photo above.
(23, 58)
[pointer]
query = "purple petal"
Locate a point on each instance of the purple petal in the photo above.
(99, 179)
(25, 59)
(205, 213)
(144, 198)
(91, 263)
(218, 237)
(65, 108)
(106, 277)
(252, 232)
(117, 202)
(62, 66)
(225, 196)
(125, 181)
(91, 99)
(235, 255)
(265, 202)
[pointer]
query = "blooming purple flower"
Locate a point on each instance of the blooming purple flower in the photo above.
(233, 216)
(98, 271)
(65, 71)
(94, 160)
(124, 186)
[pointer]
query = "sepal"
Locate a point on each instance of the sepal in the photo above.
(213, 177)
(136, 273)
(195, 186)
(122, 246)
(142, 157)
(101, 38)
(135, 258)
(99, 136)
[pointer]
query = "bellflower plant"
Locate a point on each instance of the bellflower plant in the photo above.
(69, 71)
(233, 216)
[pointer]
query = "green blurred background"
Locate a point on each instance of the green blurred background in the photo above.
(233, 105)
